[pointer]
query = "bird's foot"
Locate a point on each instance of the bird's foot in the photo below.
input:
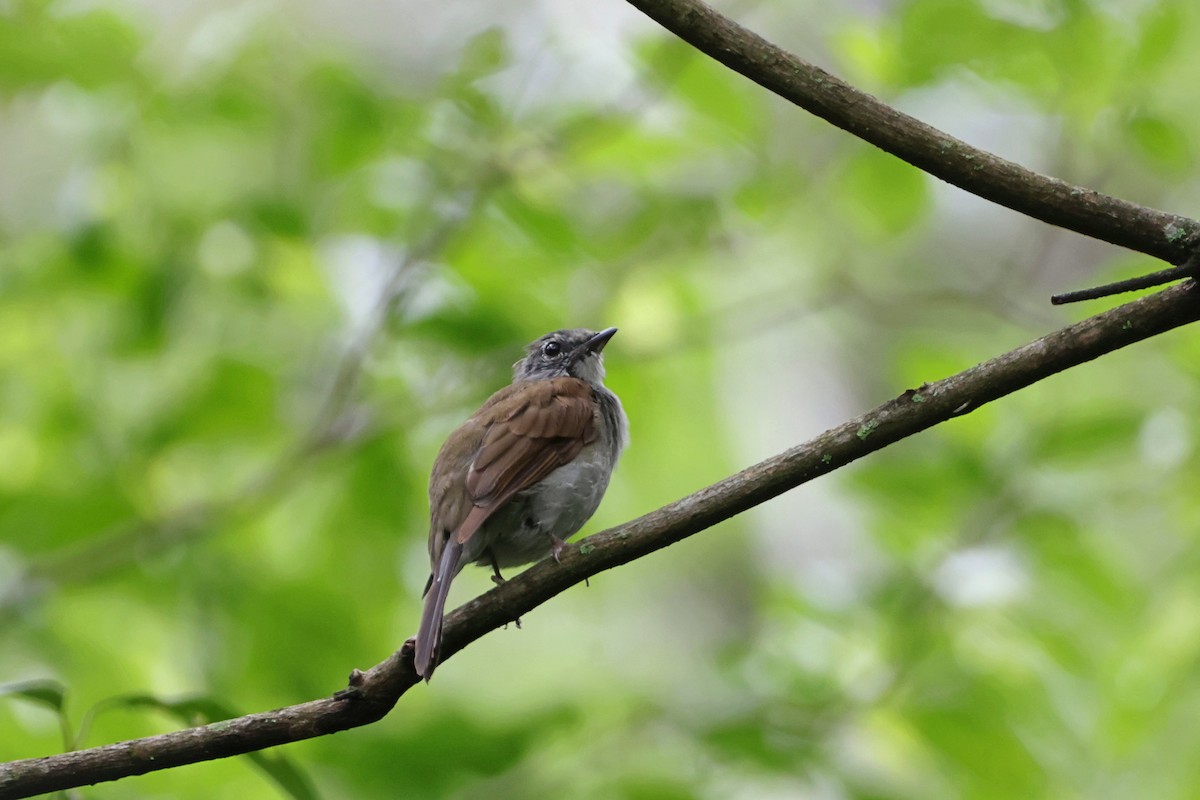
(556, 547)
(497, 578)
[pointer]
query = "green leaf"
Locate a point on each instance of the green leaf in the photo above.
(1162, 143)
(352, 120)
(486, 53)
(40, 46)
(882, 195)
(43, 691)
(709, 89)
(1163, 29)
(550, 228)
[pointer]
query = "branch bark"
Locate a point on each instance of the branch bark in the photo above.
(1100, 216)
(372, 694)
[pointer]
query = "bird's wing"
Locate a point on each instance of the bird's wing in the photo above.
(520, 435)
(531, 429)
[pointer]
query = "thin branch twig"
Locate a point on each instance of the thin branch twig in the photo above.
(372, 694)
(1187, 269)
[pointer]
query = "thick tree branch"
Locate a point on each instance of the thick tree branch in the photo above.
(373, 693)
(1147, 230)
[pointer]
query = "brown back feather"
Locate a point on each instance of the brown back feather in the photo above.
(528, 431)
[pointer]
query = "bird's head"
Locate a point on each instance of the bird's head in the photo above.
(575, 352)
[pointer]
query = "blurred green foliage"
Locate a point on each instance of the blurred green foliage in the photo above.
(253, 269)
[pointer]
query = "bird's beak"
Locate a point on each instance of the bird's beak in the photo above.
(597, 342)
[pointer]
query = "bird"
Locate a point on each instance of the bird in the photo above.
(524, 472)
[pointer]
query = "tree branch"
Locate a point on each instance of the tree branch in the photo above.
(372, 694)
(1146, 230)
(1187, 269)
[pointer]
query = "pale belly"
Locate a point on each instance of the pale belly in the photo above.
(556, 508)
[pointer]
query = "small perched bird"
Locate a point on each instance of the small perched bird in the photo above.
(524, 473)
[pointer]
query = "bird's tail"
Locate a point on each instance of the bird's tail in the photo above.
(429, 635)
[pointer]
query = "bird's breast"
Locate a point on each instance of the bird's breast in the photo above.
(557, 506)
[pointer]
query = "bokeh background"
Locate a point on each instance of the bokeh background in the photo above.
(258, 258)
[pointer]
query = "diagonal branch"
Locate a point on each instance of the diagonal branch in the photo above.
(372, 694)
(1147, 230)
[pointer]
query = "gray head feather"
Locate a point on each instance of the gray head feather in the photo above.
(577, 352)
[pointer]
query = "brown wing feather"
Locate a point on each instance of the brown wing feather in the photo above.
(520, 435)
(531, 430)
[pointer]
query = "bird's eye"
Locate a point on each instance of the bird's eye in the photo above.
(551, 349)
